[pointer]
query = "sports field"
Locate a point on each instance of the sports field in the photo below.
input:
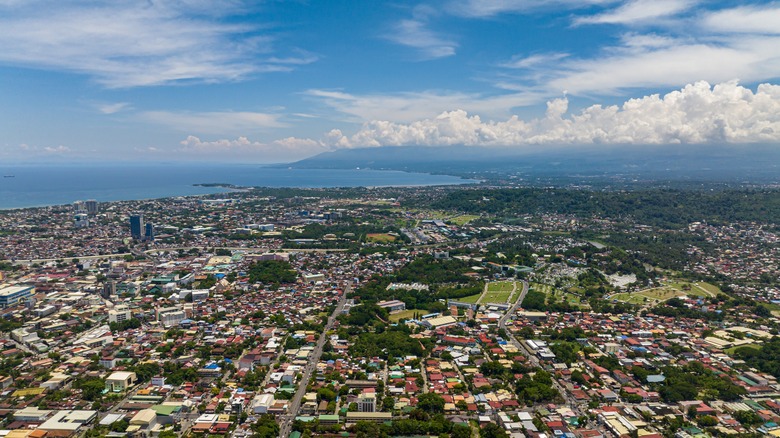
(498, 292)
(404, 314)
(379, 237)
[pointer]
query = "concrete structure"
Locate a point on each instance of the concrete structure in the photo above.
(120, 381)
(366, 402)
(92, 206)
(32, 415)
(170, 316)
(23, 336)
(377, 417)
(119, 314)
(262, 403)
(532, 316)
(442, 321)
(68, 423)
(81, 220)
(392, 306)
(13, 295)
(143, 422)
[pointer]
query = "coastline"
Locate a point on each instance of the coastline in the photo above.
(53, 185)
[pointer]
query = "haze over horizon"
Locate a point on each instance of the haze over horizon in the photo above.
(234, 81)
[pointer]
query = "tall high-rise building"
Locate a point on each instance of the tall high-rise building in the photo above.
(92, 206)
(109, 289)
(137, 226)
(149, 232)
(79, 207)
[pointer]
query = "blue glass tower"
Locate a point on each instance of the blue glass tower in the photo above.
(137, 226)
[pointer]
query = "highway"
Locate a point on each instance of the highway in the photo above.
(286, 421)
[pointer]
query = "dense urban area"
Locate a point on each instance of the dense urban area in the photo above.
(376, 312)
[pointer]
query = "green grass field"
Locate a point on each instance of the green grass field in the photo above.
(496, 297)
(404, 314)
(711, 289)
(498, 292)
(469, 299)
(500, 286)
(463, 219)
(730, 351)
(379, 237)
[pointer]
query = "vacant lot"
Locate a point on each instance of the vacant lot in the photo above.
(380, 237)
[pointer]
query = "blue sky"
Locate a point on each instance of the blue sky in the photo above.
(271, 81)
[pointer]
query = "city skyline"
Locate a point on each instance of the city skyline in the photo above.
(280, 81)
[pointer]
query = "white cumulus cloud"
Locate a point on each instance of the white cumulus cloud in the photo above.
(244, 148)
(697, 113)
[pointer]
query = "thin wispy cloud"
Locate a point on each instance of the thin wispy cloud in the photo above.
(415, 32)
(112, 108)
(533, 61)
(755, 19)
(639, 12)
(128, 44)
(214, 122)
(491, 8)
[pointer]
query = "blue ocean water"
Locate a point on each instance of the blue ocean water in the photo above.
(40, 185)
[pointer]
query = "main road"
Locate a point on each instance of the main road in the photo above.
(286, 421)
(528, 353)
(139, 253)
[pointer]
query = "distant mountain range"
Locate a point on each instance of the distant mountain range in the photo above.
(730, 163)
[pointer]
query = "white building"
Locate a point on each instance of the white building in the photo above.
(119, 314)
(262, 402)
(68, 422)
(120, 381)
(170, 316)
(366, 402)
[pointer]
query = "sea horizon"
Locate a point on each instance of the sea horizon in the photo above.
(50, 184)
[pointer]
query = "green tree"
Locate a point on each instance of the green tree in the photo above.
(431, 403)
(491, 430)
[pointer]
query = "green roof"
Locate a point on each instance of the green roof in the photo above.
(295, 434)
(166, 410)
(328, 417)
(305, 419)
